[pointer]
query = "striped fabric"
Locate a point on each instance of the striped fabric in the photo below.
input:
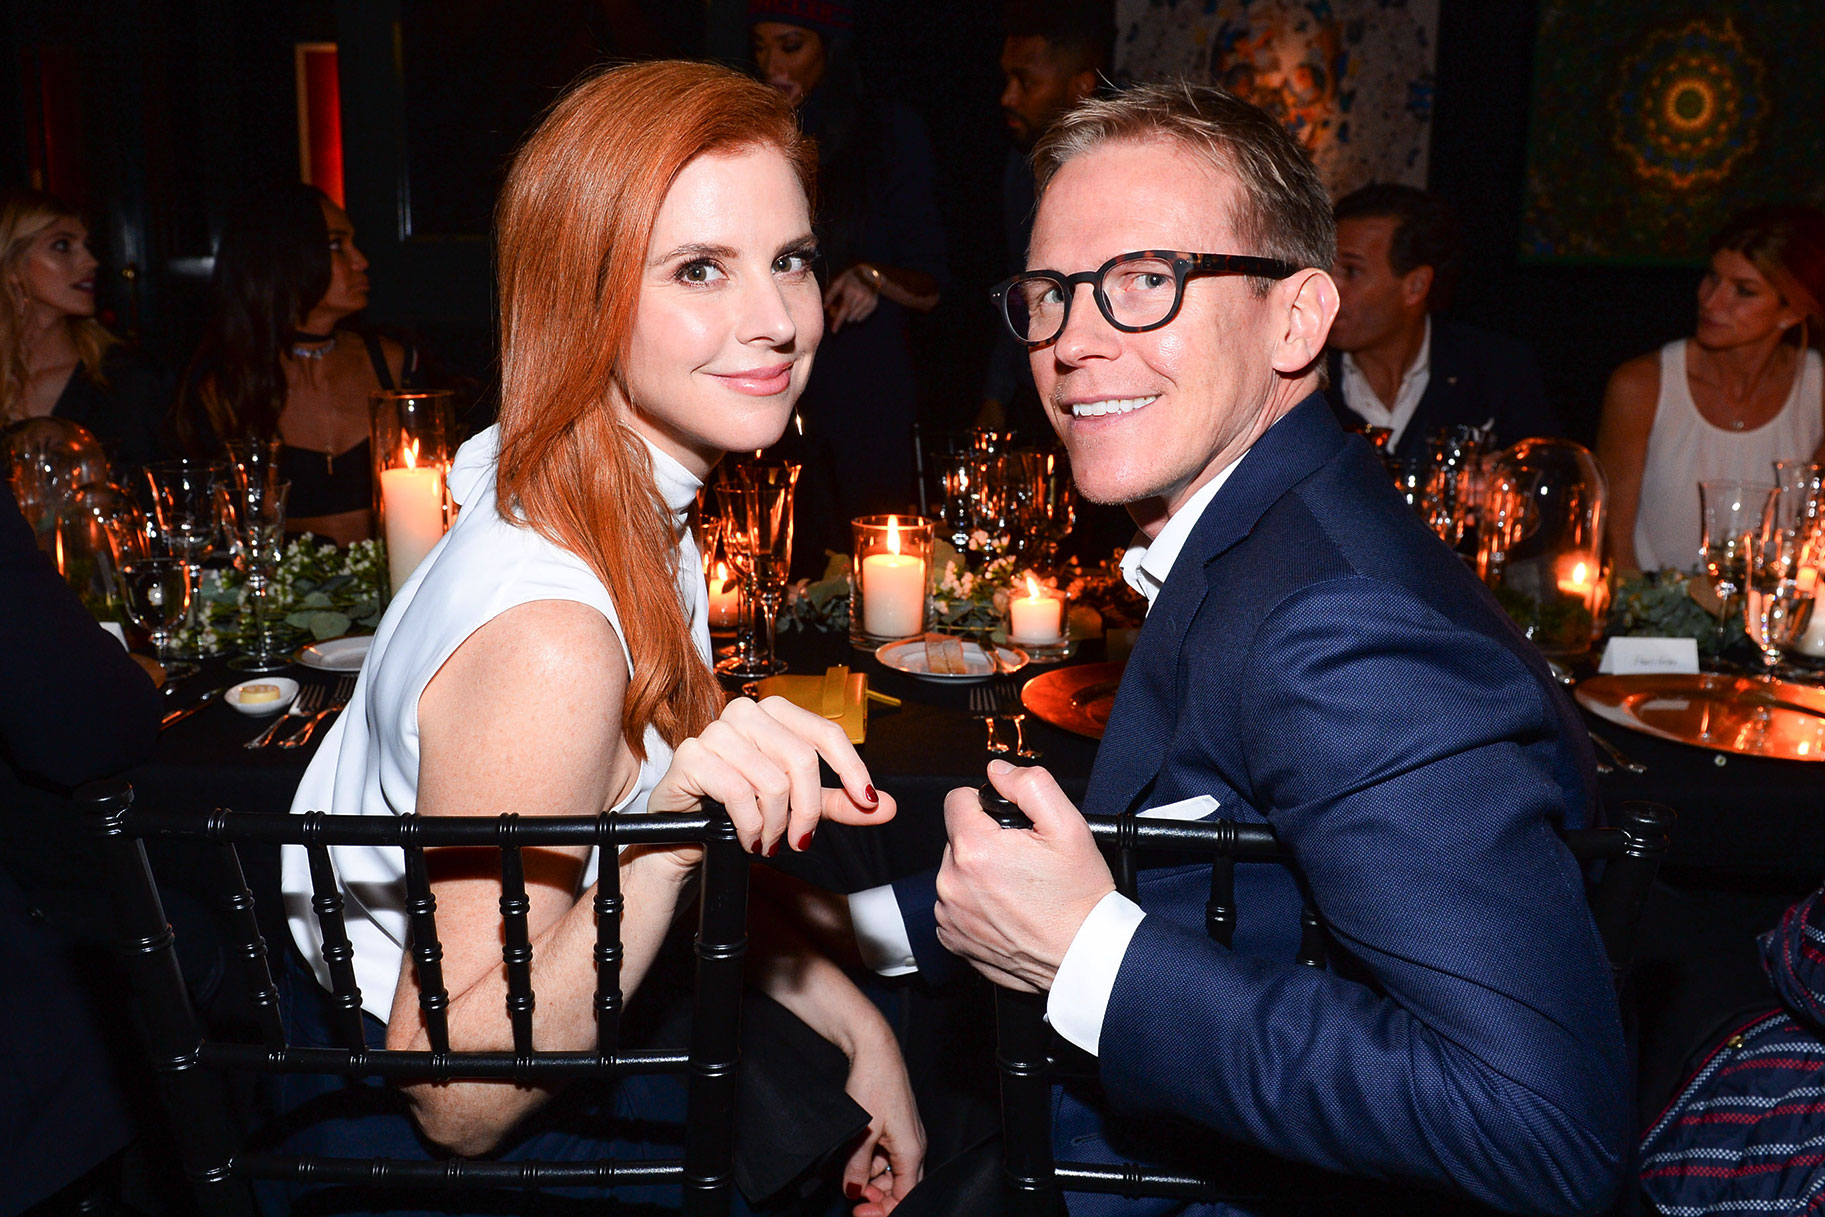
(1746, 1134)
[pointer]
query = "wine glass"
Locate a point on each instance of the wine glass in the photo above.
(1729, 512)
(1054, 502)
(253, 513)
(1778, 603)
(156, 592)
(765, 527)
(185, 512)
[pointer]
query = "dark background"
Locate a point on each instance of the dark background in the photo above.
(176, 109)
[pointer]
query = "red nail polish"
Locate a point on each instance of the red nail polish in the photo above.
(804, 843)
(773, 849)
(852, 1190)
(872, 796)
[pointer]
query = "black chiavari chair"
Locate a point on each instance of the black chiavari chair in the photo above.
(192, 1069)
(1028, 1054)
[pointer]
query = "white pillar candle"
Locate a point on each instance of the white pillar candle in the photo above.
(1036, 617)
(412, 500)
(725, 599)
(893, 595)
(1812, 642)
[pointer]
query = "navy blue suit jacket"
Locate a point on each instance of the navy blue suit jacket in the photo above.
(1478, 379)
(1318, 661)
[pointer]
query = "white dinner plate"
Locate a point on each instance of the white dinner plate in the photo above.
(909, 657)
(337, 654)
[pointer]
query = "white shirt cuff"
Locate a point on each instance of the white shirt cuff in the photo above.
(880, 932)
(1086, 975)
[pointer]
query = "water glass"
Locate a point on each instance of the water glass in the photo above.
(1778, 603)
(1729, 512)
(156, 592)
(253, 512)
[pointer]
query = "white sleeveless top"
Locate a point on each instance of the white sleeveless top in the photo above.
(1684, 450)
(368, 763)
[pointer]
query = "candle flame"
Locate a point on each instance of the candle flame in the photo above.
(722, 572)
(893, 534)
(61, 569)
(1033, 587)
(410, 455)
(1579, 573)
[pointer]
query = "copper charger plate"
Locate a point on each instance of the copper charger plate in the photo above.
(1077, 699)
(1775, 719)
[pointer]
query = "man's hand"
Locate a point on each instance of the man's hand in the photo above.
(1009, 900)
(851, 297)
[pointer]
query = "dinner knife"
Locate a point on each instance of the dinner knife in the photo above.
(178, 716)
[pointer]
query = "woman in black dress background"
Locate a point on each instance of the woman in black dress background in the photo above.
(279, 358)
(56, 359)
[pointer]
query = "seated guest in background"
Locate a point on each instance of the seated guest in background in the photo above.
(1054, 56)
(1744, 391)
(55, 359)
(883, 259)
(657, 308)
(278, 357)
(1742, 1135)
(74, 707)
(1392, 363)
(1465, 1035)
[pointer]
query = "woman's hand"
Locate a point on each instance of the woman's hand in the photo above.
(851, 296)
(891, 1157)
(760, 761)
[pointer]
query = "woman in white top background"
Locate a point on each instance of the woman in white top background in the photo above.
(1744, 391)
(658, 309)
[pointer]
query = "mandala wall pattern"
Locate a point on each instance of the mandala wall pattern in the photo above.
(1652, 122)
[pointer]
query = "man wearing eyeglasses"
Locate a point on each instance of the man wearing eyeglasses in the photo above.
(1313, 659)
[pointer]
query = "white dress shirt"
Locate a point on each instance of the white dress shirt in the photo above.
(1362, 399)
(1086, 976)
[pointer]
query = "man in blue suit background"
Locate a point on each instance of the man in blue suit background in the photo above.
(1313, 659)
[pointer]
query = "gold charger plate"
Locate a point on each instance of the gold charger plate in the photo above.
(1077, 699)
(1710, 710)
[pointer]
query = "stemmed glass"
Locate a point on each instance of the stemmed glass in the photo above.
(185, 512)
(156, 591)
(731, 546)
(1729, 512)
(253, 512)
(758, 536)
(1054, 502)
(1779, 604)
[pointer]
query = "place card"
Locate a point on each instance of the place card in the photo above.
(1631, 656)
(114, 628)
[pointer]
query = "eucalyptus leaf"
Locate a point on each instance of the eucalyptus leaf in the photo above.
(328, 625)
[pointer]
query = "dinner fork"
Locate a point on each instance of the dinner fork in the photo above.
(302, 706)
(985, 706)
(345, 689)
(1008, 706)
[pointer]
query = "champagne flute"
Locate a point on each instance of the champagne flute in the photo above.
(1729, 512)
(742, 661)
(766, 499)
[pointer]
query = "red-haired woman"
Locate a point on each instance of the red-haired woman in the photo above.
(551, 656)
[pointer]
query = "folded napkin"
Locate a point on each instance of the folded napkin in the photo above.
(839, 694)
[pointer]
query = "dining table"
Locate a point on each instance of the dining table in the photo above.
(1749, 838)
(1741, 818)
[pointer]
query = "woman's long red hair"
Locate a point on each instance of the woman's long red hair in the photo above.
(573, 225)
